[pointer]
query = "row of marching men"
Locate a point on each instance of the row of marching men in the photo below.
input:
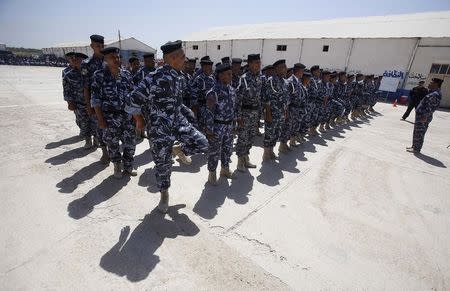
(186, 111)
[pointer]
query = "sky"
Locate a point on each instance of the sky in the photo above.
(38, 24)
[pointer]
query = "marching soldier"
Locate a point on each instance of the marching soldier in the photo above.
(110, 88)
(88, 67)
(73, 94)
(161, 93)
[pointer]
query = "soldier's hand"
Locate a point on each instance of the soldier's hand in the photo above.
(140, 124)
(240, 122)
(90, 110)
(423, 119)
(102, 124)
(268, 117)
(211, 136)
(195, 110)
(71, 106)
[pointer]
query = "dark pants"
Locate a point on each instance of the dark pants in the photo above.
(411, 105)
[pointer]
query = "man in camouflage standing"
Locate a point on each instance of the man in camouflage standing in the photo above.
(88, 67)
(110, 88)
(73, 95)
(248, 111)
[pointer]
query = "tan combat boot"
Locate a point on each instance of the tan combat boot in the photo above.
(293, 142)
(225, 172)
(212, 178)
(105, 157)
(176, 151)
(117, 171)
(283, 148)
(241, 164)
(163, 205)
(248, 164)
(88, 144)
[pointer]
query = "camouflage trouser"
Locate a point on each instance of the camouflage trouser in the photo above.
(163, 136)
(247, 133)
(308, 120)
(337, 108)
(374, 99)
(356, 102)
(272, 131)
(292, 125)
(221, 147)
(347, 105)
(84, 121)
(323, 113)
(420, 128)
(120, 128)
(98, 132)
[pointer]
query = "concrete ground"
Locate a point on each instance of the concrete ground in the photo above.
(350, 210)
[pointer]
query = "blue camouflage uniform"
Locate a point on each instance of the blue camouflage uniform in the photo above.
(316, 101)
(88, 68)
(357, 92)
(198, 89)
(141, 73)
(297, 107)
(276, 96)
(426, 108)
(322, 92)
(336, 104)
(187, 79)
(161, 94)
(248, 108)
(220, 114)
(305, 122)
(110, 94)
(73, 92)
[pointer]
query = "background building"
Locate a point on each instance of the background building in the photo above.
(129, 47)
(417, 46)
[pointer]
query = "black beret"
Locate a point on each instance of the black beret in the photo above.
(359, 75)
(149, 55)
(236, 61)
(333, 75)
(299, 66)
(132, 59)
(223, 68)
(269, 67)
(70, 54)
(350, 76)
(253, 57)
(206, 62)
(334, 72)
(205, 58)
(438, 81)
(314, 68)
(171, 46)
(342, 73)
(307, 74)
(326, 72)
(110, 50)
(81, 55)
(191, 60)
(218, 64)
(97, 38)
(279, 62)
(225, 59)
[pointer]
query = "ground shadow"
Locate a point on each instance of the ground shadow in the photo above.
(143, 158)
(81, 207)
(213, 197)
(135, 258)
(66, 141)
(430, 160)
(270, 173)
(69, 184)
(148, 179)
(70, 155)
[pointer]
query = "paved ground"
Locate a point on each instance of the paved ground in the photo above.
(350, 210)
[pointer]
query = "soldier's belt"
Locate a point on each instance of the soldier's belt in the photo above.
(250, 107)
(223, 121)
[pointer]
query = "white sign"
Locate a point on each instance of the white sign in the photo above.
(389, 84)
